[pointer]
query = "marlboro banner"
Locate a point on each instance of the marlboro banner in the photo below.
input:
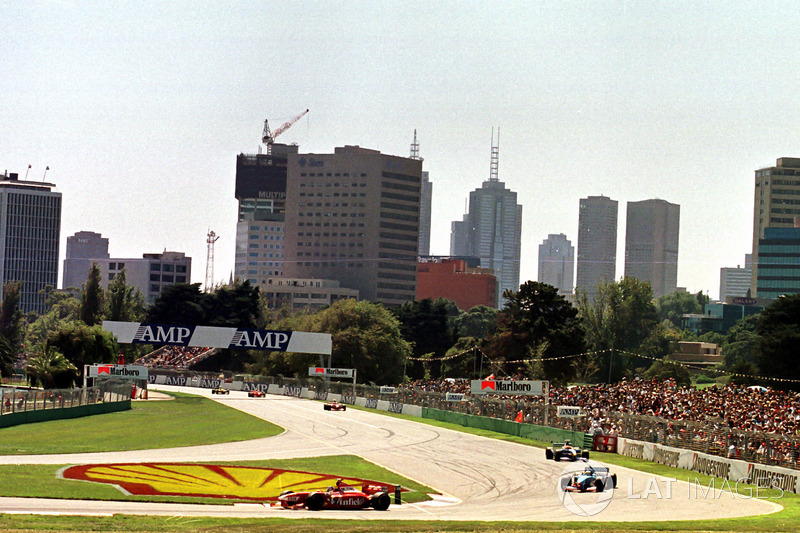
(320, 372)
(510, 387)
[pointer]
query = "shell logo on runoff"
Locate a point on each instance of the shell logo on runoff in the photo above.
(206, 481)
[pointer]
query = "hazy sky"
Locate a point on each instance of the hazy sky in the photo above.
(140, 108)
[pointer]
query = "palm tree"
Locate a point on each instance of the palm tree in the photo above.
(47, 367)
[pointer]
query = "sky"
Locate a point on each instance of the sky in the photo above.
(139, 109)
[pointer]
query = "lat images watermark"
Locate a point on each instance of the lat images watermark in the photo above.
(586, 489)
(665, 489)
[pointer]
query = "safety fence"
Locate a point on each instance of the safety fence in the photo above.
(710, 436)
(20, 406)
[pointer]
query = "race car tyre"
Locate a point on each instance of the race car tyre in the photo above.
(284, 493)
(585, 455)
(315, 501)
(548, 454)
(613, 481)
(599, 485)
(556, 456)
(380, 502)
(344, 408)
(326, 407)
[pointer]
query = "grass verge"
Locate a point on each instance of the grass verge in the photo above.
(187, 420)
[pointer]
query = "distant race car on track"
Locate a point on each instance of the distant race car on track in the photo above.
(592, 479)
(220, 390)
(342, 496)
(334, 406)
(565, 452)
(255, 394)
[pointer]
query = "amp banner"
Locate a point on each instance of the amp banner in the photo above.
(215, 337)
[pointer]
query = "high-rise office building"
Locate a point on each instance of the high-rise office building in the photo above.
(354, 218)
(492, 229)
(557, 263)
(735, 282)
(777, 203)
(30, 228)
(651, 244)
(261, 192)
(778, 269)
(597, 243)
(82, 248)
(426, 196)
(150, 274)
(425, 215)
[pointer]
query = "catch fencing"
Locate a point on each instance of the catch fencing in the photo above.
(19, 406)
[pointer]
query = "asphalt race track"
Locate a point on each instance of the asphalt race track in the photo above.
(479, 478)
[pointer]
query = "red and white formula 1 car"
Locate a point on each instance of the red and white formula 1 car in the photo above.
(255, 394)
(334, 406)
(341, 496)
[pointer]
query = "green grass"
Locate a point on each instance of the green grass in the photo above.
(39, 481)
(187, 420)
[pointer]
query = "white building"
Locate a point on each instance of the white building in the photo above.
(557, 263)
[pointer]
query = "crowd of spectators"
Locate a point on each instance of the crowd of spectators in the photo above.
(733, 407)
(174, 357)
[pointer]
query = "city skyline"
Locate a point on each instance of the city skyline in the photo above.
(140, 116)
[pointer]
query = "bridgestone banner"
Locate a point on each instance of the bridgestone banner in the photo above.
(214, 337)
(320, 372)
(734, 470)
(117, 371)
(510, 387)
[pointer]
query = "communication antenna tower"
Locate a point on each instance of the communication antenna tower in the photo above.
(495, 157)
(211, 238)
(415, 148)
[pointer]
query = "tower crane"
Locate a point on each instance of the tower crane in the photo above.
(269, 136)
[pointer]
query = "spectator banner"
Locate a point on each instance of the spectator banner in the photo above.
(388, 390)
(455, 397)
(215, 337)
(731, 469)
(117, 371)
(318, 371)
(568, 411)
(511, 387)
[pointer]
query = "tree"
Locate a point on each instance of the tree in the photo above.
(10, 315)
(739, 347)
(83, 345)
(124, 303)
(234, 306)
(621, 317)
(365, 336)
(7, 358)
(478, 322)
(426, 324)
(62, 307)
(181, 304)
(51, 369)
(537, 320)
(91, 311)
(778, 332)
(673, 306)
(662, 371)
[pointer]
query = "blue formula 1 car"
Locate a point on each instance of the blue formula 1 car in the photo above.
(592, 479)
(566, 452)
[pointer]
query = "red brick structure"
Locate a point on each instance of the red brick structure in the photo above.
(454, 280)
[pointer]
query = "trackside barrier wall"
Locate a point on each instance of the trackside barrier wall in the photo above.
(24, 406)
(733, 470)
(508, 427)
